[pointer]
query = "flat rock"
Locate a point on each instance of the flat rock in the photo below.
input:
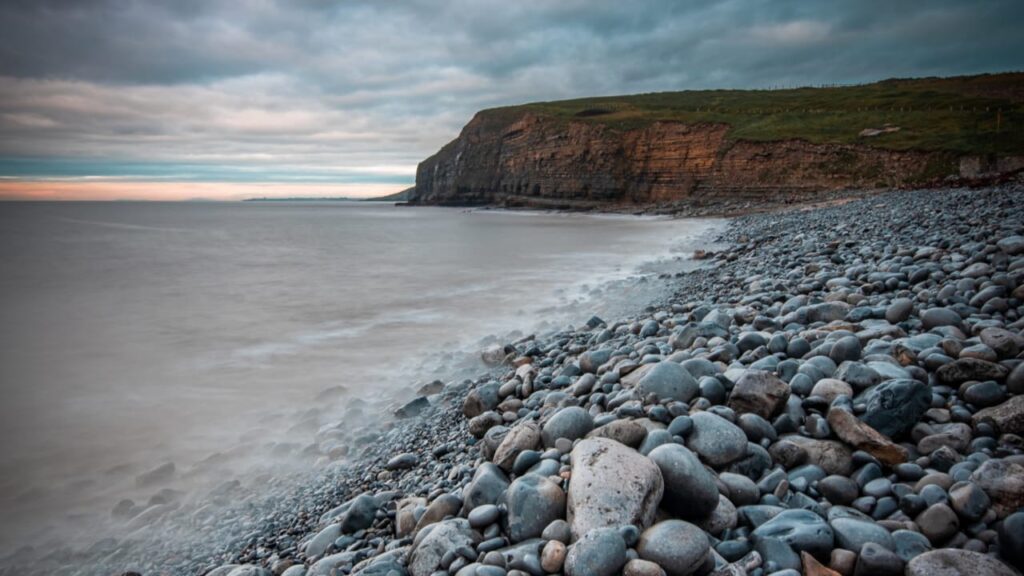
(863, 437)
(612, 485)
(801, 530)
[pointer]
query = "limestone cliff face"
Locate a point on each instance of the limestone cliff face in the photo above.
(537, 161)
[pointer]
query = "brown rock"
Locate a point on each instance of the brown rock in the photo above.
(759, 392)
(966, 369)
(628, 432)
(1008, 416)
(863, 437)
(814, 568)
(524, 436)
(530, 159)
(833, 457)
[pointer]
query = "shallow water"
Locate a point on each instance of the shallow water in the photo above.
(136, 334)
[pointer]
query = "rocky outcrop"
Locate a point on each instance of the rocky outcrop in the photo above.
(534, 160)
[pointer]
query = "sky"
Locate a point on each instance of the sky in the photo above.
(228, 99)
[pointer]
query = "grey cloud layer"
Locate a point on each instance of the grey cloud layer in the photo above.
(292, 84)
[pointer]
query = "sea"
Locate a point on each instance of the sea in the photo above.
(151, 351)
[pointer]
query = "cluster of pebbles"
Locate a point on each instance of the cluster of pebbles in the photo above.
(841, 391)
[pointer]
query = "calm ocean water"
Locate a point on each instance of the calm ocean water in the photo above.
(139, 334)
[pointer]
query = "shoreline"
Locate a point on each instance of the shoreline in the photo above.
(416, 477)
(407, 467)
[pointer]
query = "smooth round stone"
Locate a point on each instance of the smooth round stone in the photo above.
(525, 460)
(1011, 539)
(936, 317)
(483, 516)
(742, 490)
(874, 560)
(678, 547)
(654, 439)
(572, 422)
(557, 530)
(969, 501)
(954, 562)
(553, 556)
(838, 489)
(600, 552)
(489, 571)
(938, 522)
(853, 533)
(894, 406)
(985, 394)
(668, 380)
(845, 349)
(801, 530)
(690, 491)
(910, 544)
(533, 502)
(878, 487)
(680, 426)
(899, 310)
(716, 440)
(638, 567)
(933, 494)
(830, 389)
(563, 445)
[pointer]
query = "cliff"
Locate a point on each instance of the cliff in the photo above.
(627, 151)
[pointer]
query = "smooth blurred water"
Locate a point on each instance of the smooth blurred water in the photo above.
(135, 334)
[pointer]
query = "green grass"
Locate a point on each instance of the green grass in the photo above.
(966, 114)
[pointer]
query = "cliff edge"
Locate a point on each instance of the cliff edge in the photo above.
(700, 147)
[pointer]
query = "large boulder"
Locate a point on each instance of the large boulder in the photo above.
(759, 392)
(611, 485)
(690, 490)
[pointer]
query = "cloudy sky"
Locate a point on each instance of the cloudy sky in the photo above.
(236, 98)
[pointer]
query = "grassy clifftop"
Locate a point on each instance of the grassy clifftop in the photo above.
(966, 114)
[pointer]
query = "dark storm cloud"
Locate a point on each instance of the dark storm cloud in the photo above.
(290, 85)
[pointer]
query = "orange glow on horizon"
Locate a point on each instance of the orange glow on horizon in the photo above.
(162, 190)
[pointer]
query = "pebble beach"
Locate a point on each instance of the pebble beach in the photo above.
(837, 390)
